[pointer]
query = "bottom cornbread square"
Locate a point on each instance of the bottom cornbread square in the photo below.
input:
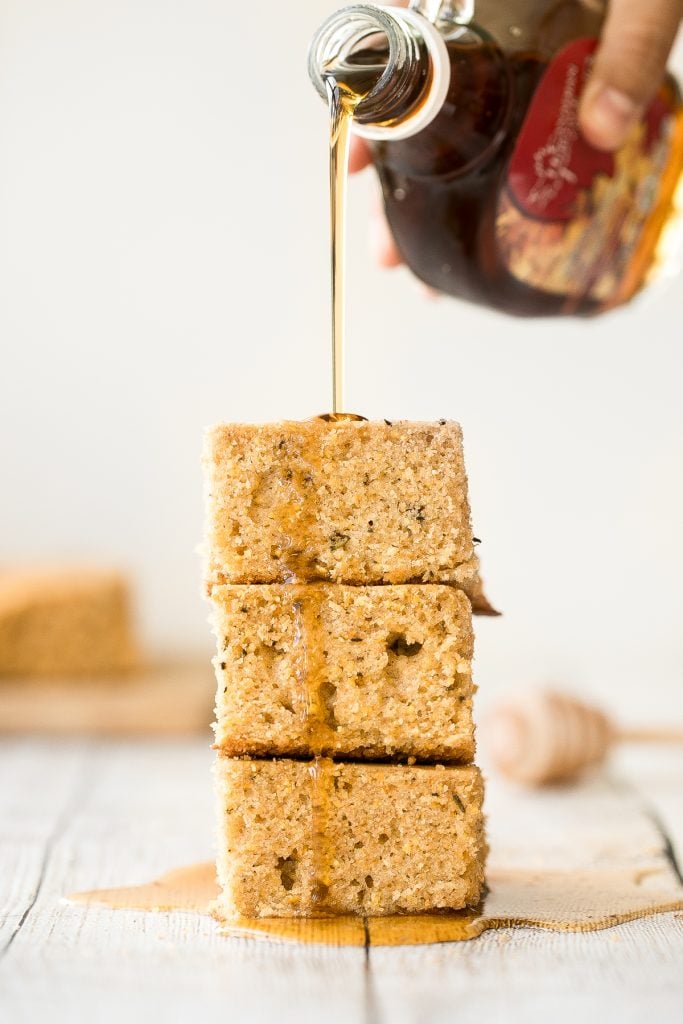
(307, 838)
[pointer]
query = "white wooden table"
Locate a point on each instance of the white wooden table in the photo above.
(86, 814)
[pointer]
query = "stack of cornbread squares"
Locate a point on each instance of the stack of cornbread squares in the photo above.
(341, 573)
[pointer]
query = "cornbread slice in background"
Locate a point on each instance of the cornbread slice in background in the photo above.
(64, 622)
(346, 501)
(363, 672)
(299, 839)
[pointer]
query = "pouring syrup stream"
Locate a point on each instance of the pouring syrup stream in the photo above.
(341, 106)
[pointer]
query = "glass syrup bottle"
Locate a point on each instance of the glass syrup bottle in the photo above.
(490, 190)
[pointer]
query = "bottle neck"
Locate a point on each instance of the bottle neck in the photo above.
(392, 62)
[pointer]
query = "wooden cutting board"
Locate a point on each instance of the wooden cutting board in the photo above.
(172, 698)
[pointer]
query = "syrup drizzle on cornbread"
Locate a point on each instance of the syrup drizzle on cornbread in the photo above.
(297, 515)
(310, 666)
(517, 899)
(296, 519)
(320, 772)
(311, 676)
(297, 511)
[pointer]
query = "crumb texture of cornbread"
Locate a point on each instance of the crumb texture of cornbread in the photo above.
(362, 672)
(64, 622)
(350, 502)
(387, 839)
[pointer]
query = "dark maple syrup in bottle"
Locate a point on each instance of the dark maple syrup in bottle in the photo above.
(490, 190)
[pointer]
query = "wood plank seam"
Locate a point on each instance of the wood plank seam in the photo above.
(108, 966)
(667, 842)
(83, 784)
(648, 810)
(371, 1012)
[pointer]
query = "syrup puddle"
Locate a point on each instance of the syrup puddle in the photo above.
(560, 901)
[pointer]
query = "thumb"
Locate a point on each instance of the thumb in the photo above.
(628, 68)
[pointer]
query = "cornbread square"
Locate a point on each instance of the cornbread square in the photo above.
(299, 839)
(363, 672)
(64, 622)
(348, 501)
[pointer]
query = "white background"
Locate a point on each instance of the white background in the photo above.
(164, 264)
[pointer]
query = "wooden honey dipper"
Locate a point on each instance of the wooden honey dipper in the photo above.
(545, 737)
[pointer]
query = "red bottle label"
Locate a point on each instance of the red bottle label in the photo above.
(571, 219)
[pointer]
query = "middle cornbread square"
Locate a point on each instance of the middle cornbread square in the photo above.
(362, 672)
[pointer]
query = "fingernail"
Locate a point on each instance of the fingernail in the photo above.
(607, 115)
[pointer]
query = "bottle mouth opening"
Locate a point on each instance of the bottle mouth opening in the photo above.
(344, 47)
(381, 51)
(362, 64)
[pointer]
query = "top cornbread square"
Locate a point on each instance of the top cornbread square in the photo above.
(347, 501)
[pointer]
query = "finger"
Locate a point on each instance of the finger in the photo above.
(380, 239)
(382, 244)
(359, 154)
(628, 67)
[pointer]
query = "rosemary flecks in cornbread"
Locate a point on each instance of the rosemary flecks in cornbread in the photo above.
(362, 672)
(300, 839)
(349, 502)
(341, 571)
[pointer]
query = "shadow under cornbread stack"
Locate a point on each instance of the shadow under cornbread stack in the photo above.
(339, 556)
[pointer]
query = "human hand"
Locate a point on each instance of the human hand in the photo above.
(381, 241)
(628, 68)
